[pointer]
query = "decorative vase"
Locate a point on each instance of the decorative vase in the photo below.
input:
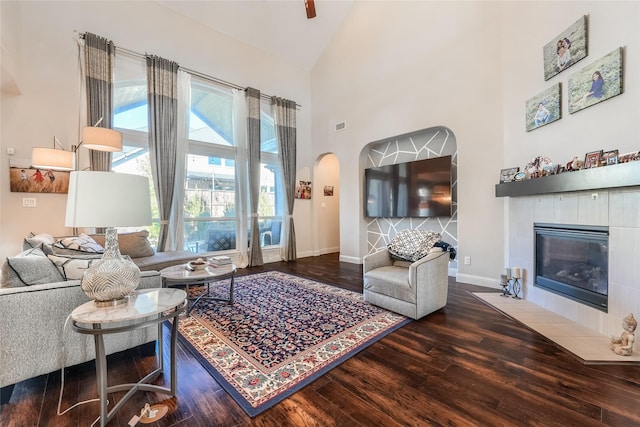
(109, 280)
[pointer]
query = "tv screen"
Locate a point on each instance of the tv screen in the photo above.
(418, 189)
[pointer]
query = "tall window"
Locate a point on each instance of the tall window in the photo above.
(211, 220)
(271, 205)
(131, 118)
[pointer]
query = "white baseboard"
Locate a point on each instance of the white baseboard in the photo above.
(478, 280)
(350, 259)
(326, 251)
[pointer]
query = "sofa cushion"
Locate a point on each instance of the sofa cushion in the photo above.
(391, 281)
(42, 241)
(411, 245)
(80, 243)
(135, 244)
(31, 267)
(72, 267)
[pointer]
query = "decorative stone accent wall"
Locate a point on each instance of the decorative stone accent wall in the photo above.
(424, 144)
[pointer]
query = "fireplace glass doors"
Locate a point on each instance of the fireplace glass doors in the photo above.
(573, 261)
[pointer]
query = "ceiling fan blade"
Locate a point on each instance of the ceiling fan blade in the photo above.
(311, 8)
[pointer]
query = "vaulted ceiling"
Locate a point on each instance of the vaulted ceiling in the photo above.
(278, 27)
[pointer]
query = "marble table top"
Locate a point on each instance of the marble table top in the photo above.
(142, 303)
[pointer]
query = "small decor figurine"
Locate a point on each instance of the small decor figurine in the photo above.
(623, 345)
(575, 164)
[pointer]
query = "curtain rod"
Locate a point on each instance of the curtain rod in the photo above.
(198, 74)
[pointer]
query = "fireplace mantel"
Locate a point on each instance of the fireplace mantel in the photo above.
(612, 176)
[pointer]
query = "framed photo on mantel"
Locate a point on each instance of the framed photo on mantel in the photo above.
(509, 174)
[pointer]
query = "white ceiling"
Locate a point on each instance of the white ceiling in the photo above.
(279, 27)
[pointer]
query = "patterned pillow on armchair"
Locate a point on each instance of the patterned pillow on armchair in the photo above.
(411, 245)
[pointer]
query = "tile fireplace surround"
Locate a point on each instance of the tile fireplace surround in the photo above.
(618, 209)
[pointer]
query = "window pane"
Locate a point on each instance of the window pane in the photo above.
(130, 94)
(210, 188)
(211, 116)
(270, 198)
(135, 161)
(205, 235)
(268, 141)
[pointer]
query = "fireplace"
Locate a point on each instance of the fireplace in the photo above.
(573, 261)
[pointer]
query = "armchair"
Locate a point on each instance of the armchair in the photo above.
(413, 289)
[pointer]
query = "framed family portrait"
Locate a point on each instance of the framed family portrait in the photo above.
(509, 174)
(23, 178)
(567, 48)
(303, 190)
(597, 82)
(592, 159)
(542, 109)
(609, 157)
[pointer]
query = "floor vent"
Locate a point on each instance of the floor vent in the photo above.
(341, 126)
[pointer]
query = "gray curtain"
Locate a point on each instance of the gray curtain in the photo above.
(162, 78)
(98, 54)
(253, 142)
(284, 114)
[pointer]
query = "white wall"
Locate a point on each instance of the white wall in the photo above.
(40, 37)
(612, 124)
(326, 209)
(398, 67)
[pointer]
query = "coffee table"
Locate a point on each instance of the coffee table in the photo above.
(146, 307)
(182, 275)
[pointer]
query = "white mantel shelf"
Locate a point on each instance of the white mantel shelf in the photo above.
(604, 177)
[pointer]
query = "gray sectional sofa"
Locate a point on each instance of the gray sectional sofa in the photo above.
(33, 333)
(37, 296)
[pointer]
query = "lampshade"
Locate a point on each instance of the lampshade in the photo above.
(102, 139)
(50, 158)
(107, 199)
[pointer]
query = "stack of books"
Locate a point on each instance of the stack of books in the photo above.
(220, 261)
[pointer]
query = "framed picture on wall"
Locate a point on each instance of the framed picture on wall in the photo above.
(303, 190)
(328, 190)
(596, 82)
(567, 48)
(542, 109)
(26, 179)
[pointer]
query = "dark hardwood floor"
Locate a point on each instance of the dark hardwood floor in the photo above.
(463, 365)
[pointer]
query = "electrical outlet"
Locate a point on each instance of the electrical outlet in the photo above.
(467, 260)
(28, 202)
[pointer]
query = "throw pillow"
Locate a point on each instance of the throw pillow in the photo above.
(411, 245)
(81, 243)
(136, 244)
(73, 267)
(38, 241)
(30, 267)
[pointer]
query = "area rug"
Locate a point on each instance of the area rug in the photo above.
(281, 333)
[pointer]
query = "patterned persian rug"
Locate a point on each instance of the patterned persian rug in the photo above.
(281, 333)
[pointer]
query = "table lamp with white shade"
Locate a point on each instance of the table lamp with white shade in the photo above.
(109, 199)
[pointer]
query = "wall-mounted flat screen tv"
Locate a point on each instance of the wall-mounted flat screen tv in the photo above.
(418, 189)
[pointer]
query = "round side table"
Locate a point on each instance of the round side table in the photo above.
(146, 307)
